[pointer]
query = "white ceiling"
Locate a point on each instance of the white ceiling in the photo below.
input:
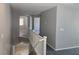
(35, 8)
(32, 8)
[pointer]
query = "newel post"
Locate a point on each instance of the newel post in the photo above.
(45, 39)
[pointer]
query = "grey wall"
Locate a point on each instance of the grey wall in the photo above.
(15, 27)
(5, 29)
(48, 25)
(67, 30)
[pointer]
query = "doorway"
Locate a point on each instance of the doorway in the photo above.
(23, 26)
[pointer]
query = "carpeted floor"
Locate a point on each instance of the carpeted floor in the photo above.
(74, 51)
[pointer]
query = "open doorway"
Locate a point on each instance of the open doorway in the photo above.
(23, 26)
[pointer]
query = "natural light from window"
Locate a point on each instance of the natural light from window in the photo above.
(21, 23)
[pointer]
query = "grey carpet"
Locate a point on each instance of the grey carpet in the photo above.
(74, 51)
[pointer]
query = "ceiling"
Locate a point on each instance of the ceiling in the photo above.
(32, 8)
(35, 8)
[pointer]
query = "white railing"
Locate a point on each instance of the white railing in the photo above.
(38, 43)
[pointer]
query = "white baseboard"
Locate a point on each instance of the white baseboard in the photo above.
(66, 48)
(50, 46)
(62, 48)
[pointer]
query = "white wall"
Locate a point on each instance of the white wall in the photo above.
(48, 25)
(5, 29)
(61, 26)
(67, 20)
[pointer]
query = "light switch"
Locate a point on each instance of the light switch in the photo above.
(2, 36)
(61, 29)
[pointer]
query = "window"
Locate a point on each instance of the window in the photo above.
(21, 23)
(37, 25)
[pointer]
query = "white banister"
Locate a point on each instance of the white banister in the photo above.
(38, 43)
(45, 39)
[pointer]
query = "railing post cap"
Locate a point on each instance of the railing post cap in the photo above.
(45, 37)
